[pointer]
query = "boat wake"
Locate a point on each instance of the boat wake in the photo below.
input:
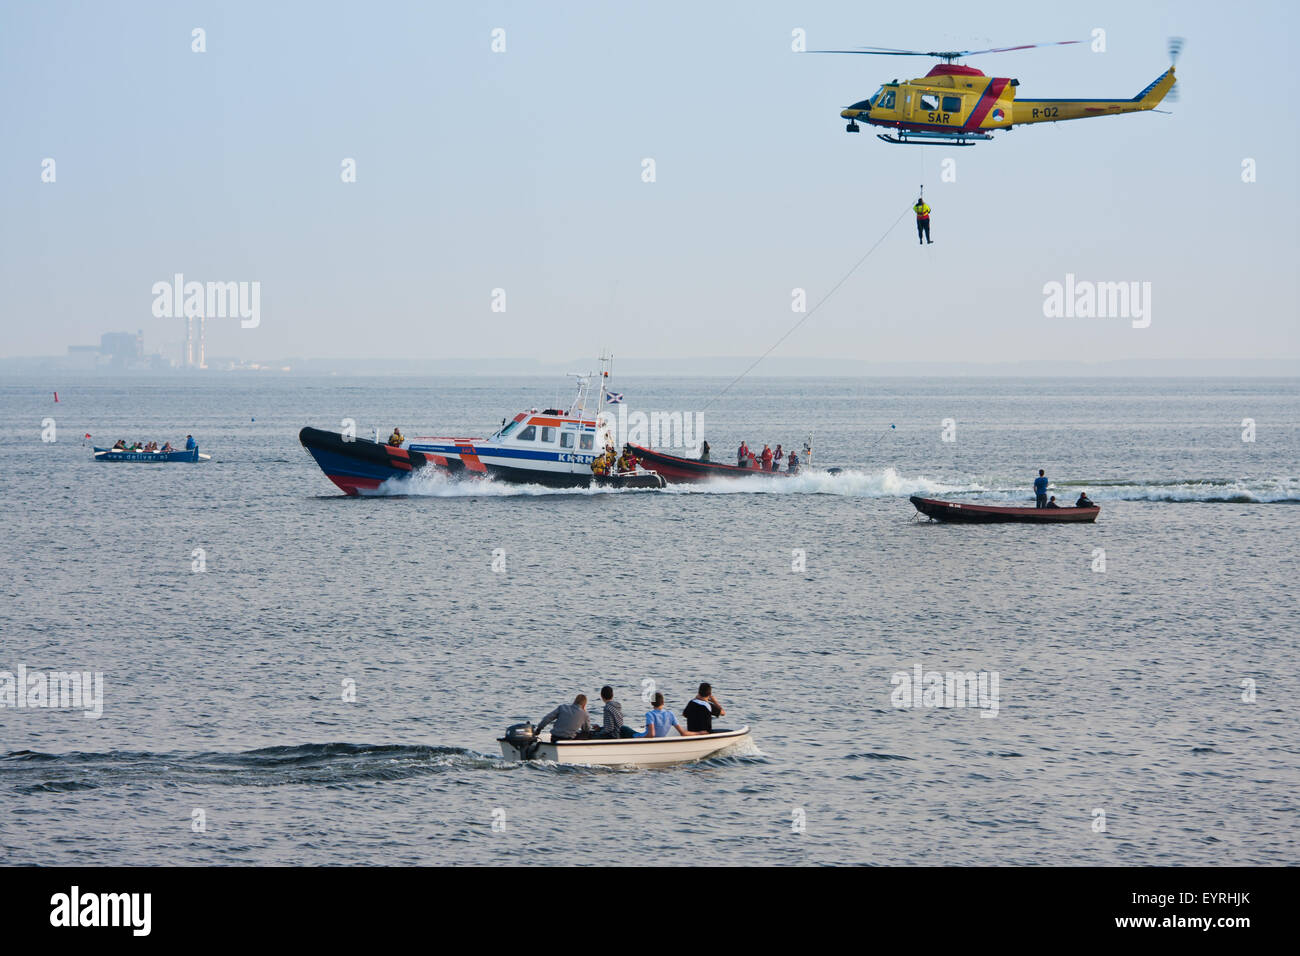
(1178, 491)
(884, 483)
(434, 483)
(848, 482)
(331, 765)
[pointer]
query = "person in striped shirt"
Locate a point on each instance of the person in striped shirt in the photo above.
(612, 723)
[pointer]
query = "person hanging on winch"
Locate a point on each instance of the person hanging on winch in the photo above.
(922, 221)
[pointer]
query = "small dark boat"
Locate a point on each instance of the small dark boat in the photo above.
(986, 514)
(677, 469)
(121, 454)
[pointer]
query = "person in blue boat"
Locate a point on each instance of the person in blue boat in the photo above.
(1040, 489)
(660, 722)
(190, 443)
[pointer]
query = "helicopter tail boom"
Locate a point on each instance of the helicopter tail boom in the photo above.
(1054, 111)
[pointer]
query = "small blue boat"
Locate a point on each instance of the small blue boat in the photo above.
(117, 454)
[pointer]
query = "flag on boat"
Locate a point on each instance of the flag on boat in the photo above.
(614, 398)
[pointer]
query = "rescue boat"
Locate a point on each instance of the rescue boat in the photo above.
(553, 447)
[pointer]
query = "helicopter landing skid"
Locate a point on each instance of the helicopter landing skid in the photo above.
(919, 139)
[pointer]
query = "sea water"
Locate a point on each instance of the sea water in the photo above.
(293, 676)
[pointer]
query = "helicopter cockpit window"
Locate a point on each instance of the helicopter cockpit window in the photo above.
(952, 104)
(929, 101)
(885, 100)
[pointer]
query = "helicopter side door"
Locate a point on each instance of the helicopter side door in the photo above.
(939, 108)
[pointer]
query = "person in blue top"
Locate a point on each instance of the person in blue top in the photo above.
(1040, 490)
(660, 722)
(190, 443)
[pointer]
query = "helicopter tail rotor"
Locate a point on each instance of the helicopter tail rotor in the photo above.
(1175, 48)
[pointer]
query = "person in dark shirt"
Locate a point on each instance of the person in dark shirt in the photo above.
(700, 712)
(704, 452)
(1084, 501)
(1051, 503)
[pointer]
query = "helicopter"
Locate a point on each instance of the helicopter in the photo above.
(959, 105)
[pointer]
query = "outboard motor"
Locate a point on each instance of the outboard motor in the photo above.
(522, 738)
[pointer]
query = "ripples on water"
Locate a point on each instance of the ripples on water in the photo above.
(1119, 691)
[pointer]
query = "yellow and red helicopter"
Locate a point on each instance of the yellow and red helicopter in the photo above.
(959, 105)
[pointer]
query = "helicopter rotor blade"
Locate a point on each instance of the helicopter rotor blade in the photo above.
(1175, 48)
(1023, 46)
(943, 54)
(877, 52)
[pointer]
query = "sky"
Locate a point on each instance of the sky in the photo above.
(523, 171)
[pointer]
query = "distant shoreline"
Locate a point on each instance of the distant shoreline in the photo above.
(722, 367)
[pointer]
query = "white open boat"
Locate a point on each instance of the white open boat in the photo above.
(520, 743)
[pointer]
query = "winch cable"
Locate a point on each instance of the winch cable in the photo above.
(809, 314)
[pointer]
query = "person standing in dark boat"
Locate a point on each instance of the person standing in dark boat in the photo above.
(742, 454)
(767, 458)
(1084, 501)
(792, 465)
(777, 458)
(190, 443)
(704, 452)
(1040, 490)
(700, 712)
